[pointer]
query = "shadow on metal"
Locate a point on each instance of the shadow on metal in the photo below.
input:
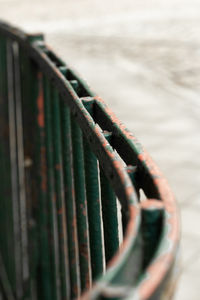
(73, 223)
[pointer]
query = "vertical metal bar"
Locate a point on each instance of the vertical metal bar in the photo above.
(4, 281)
(20, 160)
(152, 220)
(31, 89)
(25, 101)
(6, 221)
(44, 284)
(110, 219)
(75, 187)
(94, 210)
(109, 213)
(51, 196)
(70, 200)
(1, 293)
(14, 170)
(132, 171)
(94, 203)
(59, 197)
(81, 205)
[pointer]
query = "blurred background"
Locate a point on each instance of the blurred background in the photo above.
(143, 58)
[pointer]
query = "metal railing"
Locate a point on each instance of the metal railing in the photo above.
(72, 222)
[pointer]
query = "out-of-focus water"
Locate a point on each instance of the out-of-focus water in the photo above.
(143, 58)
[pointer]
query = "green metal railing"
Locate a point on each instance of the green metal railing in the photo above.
(72, 222)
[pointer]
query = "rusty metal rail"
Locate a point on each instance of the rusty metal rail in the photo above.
(72, 221)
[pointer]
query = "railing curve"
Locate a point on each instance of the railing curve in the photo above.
(72, 165)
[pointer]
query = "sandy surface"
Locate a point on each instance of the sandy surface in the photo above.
(143, 58)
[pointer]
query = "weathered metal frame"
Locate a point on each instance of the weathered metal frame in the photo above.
(95, 122)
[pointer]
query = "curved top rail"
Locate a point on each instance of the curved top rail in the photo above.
(117, 155)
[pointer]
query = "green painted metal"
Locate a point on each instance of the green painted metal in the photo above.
(70, 180)
(93, 202)
(32, 95)
(43, 106)
(109, 213)
(110, 218)
(5, 177)
(152, 218)
(94, 211)
(81, 201)
(55, 188)
(52, 256)
(58, 169)
(81, 204)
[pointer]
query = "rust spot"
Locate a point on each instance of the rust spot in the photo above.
(40, 103)
(57, 167)
(84, 250)
(73, 193)
(86, 234)
(75, 290)
(43, 169)
(83, 209)
(87, 281)
(60, 211)
(74, 222)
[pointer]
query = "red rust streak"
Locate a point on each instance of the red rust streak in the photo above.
(43, 169)
(40, 103)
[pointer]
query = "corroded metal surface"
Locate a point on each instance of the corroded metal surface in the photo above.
(86, 175)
